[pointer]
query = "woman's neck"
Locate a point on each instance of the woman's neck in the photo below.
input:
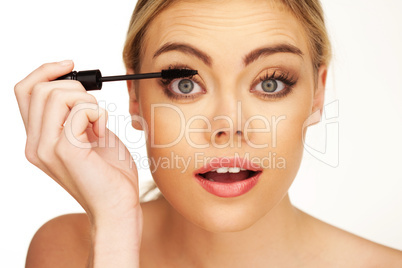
(275, 238)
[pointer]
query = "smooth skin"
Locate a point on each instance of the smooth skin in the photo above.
(187, 226)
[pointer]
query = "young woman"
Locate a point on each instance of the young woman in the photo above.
(262, 69)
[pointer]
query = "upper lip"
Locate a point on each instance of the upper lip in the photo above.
(228, 162)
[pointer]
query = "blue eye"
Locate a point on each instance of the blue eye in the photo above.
(270, 86)
(185, 86)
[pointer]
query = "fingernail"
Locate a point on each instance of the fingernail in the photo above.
(66, 62)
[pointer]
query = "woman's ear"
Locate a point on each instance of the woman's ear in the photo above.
(319, 96)
(134, 109)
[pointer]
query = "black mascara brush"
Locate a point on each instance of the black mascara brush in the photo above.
(92, 80)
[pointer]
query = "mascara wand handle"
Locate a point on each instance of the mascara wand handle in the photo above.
(91, 80)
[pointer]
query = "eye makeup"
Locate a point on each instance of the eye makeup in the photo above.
(168, 83)
(285, 78)
(278, 78)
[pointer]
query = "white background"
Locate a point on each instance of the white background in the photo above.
(362, 194)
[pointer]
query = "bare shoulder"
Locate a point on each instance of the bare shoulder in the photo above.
(349, 250)
(61, 242)
(366, 253)
(65, 241)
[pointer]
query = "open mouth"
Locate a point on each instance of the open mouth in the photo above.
(228, 174)
(228, 177)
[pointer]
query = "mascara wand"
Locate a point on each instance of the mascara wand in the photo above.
(92, 79)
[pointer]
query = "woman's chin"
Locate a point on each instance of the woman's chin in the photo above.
(221, 220)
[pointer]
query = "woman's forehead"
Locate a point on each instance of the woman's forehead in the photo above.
(222, 26)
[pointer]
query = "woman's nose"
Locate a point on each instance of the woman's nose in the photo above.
(226, 118)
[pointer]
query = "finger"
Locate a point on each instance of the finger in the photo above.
(46, 72)
(74, 145)
(80, 117)
(44, 130)
(57, 109)
(99, 126)
(39, 97)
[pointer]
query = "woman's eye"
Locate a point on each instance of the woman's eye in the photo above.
(270, 86)
(185, 86)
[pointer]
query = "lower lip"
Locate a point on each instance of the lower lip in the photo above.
(231, 189)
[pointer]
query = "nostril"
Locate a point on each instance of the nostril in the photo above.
(220, 133)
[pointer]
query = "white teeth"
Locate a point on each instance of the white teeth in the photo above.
(222, 170)
(211, 179)
(228, 169)
(242, 169)
(234, 170)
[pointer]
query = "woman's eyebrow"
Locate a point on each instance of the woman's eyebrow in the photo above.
(249, 58)
(185, 48)
(270, 50)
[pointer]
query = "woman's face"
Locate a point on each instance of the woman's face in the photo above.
(251, 99)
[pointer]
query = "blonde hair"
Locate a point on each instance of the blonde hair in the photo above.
(308, 12)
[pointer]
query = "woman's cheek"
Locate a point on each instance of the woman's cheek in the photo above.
(166, 125)
(283, 139)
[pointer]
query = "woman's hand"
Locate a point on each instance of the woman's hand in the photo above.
(67, 138)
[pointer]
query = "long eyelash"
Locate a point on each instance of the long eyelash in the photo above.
(166, 82)
(286, 78)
